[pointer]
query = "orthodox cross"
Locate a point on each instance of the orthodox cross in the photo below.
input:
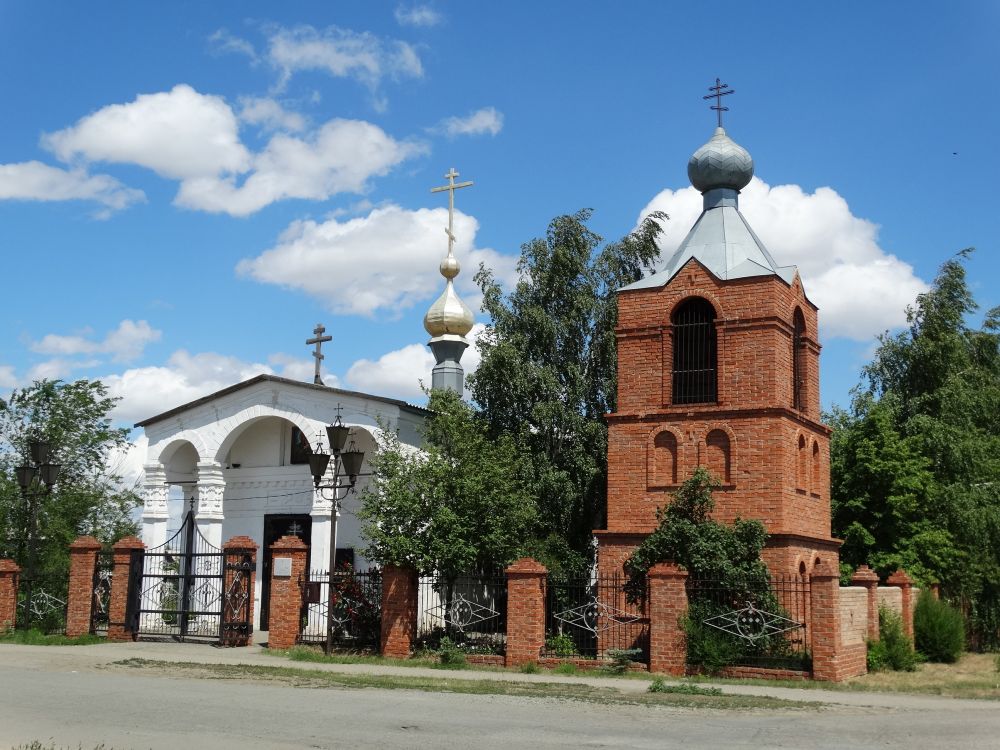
(451, 187)
(295, 528)
(318, 340)
(719, 89)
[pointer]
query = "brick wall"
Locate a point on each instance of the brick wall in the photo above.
(853, 603)
(399, 611)
(118, 628)
(80, 596)
(9, 574)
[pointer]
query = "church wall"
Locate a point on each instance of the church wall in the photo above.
(264, 443)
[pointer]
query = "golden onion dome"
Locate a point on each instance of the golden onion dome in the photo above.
(449, 314)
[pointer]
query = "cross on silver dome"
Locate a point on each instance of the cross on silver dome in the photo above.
(719, 89)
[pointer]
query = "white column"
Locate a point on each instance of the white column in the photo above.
(209, 492)
(319, 553)
(154, 505)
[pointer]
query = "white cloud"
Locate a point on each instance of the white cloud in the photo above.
(127, 462)
(833, 249)
(299, 368)
(8, 378)
(53, 369)
(35, 181)
(343, 53)
(387, 260)
(125, 343)
(340, 157)
(180, 134)
(399, 373)
(485, 120)
(417, 15)
(223, 41)
(270, 115)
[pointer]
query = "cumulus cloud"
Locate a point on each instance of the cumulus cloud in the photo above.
(127, 462)
(194, 138)
(385, 261)
(417, 15)
(342, 53)
(124, 344)
(401, 372)
(833, 249)
(270, 115)
(482, 121)
(179, 134)
(8, 377)
(35, 181)
(339, 158)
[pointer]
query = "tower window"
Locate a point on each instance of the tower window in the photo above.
(798, 361)
(694, 343)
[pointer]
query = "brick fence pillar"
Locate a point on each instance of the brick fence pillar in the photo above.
(9, 574)
(239, 575)
(121, 553)
(399, 611)
(526, 580)
(80, 596)
(824, 602)
(905, 583)
(865, 576)
(288, 568)
(668, 604)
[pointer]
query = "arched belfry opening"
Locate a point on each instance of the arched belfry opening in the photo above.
(695, 352)
(798, 360)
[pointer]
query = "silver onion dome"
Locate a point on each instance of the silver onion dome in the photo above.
(720, 163)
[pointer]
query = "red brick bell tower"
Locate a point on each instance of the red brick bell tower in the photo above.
(718, 366)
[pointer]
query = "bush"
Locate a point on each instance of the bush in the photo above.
(561, 645)
(450, 653)
(708, 648)
(894, 650)
(938, 629)
(621, 659)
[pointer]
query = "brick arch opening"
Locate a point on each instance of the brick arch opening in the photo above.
(718, 455)
(663, 458)
(694, 374)
(801, 465)
(798, 360)
(814, 472)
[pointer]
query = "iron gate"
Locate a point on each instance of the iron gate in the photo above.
(176, 589)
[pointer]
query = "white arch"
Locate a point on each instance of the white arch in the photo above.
(160, 454)
(232, 427)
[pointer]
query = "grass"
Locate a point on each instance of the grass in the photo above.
(34, 637)
(306, 678)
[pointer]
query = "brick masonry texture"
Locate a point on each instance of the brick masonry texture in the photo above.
(118, 628)
(80, 599)
(286, 593)
(667, 607)
(399, 611)
(9, 574)
(526, 579)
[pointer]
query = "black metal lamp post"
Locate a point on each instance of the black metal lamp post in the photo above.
(36, 477)
(346, 468)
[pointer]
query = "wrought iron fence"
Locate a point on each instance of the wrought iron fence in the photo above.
(469, 609)
(591, 618)
(101, 592)
(752, 624)
(356, 599)
(42, 602)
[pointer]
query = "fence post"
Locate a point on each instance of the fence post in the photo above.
(239, 561)
(668, 604)
(865, 576)
(80, 595)
(118, 629)
(288, 568)
(824, 596)
(399, 611)
(9, 574)
(905, 583)
(526, 580)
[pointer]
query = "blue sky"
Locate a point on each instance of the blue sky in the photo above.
(187, 188)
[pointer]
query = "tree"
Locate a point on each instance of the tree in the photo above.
(460, 504)
(708, 549)
(88, 498)
(915, 462)
(548, 373)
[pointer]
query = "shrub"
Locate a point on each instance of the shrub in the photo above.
(708, 648)
(621, 659)
(450, 653)
(894, 650)
(561, 645)
(938, 629)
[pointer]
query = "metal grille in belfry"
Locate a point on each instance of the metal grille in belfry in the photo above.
(694, 345)
(176, 588)
(798, 354)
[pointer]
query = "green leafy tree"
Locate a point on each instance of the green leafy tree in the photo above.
(461, 503)
(915, 462)
(88, 498)
(548, 373)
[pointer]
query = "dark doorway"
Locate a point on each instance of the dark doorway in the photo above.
(275, 527)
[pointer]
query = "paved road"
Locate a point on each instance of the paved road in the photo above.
(64, 696)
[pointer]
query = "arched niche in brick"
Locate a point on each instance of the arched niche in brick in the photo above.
(799, 370)
(663, 458)
(801, 464)
(718, 454)
(814, 469)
